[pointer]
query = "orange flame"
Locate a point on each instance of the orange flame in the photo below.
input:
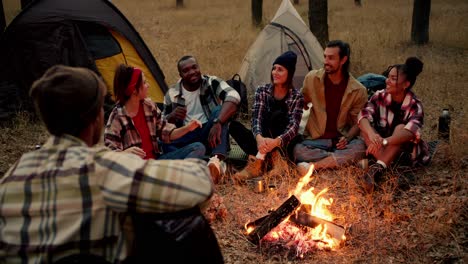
(308, 239)
(316, 205)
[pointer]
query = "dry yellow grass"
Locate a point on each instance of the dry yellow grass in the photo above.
(426, 224)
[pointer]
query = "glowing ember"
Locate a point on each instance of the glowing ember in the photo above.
(249, 229)
(306, 239)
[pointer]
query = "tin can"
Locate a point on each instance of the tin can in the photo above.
(260, 187)
(271, 187)
(180, 103)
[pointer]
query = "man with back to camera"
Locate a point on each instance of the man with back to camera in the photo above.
(337, 98)
(205, 98)
(67, 198)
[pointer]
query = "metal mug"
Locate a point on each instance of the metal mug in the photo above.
(260, 186)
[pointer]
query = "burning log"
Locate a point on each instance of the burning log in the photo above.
(273, 219)
(252, 225)
(305, 219)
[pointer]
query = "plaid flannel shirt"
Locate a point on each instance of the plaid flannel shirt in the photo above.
(377, 110)
(294, 101)
(120, 132)
(213, 92)
(67, 198)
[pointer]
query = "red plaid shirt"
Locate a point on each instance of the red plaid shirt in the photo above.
(379, 113)
(121, 133)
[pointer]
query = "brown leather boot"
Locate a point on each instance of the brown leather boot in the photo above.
(279, 166)
(254, 168)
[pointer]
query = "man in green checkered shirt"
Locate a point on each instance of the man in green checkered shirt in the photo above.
(68, 197)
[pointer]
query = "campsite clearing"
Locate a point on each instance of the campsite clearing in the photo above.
(425, 224)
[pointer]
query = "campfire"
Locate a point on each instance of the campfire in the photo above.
(302, 223)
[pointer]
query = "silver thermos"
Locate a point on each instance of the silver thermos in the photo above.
(444, 125)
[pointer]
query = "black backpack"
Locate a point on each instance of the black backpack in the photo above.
(373, 82)
(236, 83)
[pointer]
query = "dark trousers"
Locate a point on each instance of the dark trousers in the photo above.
(273, 124)
(82, 258)
(201, 135)
(180, 237)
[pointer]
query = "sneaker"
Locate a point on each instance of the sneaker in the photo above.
(368, 179)
(254, 168)
(303, 168)
(217, 168)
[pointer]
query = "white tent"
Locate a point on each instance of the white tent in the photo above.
(286, 31)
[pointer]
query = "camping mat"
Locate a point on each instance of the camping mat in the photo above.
(236, 153)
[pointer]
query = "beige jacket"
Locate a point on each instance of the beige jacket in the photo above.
(354, 98)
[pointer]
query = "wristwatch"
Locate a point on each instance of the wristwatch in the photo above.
(384, 142)
(216, 120)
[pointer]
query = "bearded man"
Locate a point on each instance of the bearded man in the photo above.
(336, 99)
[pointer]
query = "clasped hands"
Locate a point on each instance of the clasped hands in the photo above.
(266, 145)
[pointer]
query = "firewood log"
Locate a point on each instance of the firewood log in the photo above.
(305, 219)
(273, 219)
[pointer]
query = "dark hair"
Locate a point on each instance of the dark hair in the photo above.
(122, 77)
(411, 69)
(184, 58)
(288, 60)
(68, 99)
(345, 50)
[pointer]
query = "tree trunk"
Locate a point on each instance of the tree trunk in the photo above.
(358, 3)
(179, 3)
(24, 3)
(2, 18)
(257, 12)
(420, 25)
(318, 20)
(296, 2)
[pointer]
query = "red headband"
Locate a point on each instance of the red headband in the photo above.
(133, 81)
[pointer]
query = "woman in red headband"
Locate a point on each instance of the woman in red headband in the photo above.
(136, 125)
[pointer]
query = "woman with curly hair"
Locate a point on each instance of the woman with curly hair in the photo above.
(391, 122)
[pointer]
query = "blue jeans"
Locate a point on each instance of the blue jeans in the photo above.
(314, 150)
(201, 135)
(193, 150)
